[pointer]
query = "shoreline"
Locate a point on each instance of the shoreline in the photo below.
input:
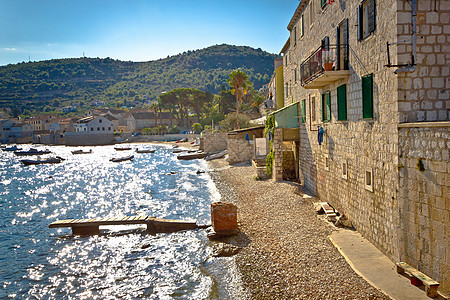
(285, 251)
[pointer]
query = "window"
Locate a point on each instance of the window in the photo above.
(342, 102)
(303, 110)
(100, 120)
(326, 107)
(323, 3)
(367, 96)
(295, 75)
(301, 23)
(313, 108)
(98, 128)
(311, 12)
(368, 180)
(109, 128)
(295, 36)
(327, 162)
(287, 89)
(92, 128)
(344, 170)
(103, 128)
(366, 15)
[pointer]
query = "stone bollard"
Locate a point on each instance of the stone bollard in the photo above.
(224, 218)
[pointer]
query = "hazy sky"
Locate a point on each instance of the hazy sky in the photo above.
(137, 30)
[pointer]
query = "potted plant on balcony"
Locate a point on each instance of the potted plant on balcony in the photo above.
(328, 60)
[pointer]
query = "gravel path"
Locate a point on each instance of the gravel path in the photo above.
(286, 251)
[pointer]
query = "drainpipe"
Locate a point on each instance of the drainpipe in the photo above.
(413, 65)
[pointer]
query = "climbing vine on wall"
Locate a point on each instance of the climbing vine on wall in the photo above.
(268, 132)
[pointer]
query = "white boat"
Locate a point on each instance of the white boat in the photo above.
(120, 159)
(81, 151)
(50, 160)
(216, 155)
(13, 148)
(145, 150)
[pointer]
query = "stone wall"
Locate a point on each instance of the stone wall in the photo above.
(288, 164)
(277, 166)
(214, 142)
(424, 93)
(424, 201)
(74, 139)
(239, 150)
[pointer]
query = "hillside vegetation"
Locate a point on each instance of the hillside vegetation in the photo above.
(48, 85)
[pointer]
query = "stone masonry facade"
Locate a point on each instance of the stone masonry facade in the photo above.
(423, 95)
(356, 168)
(213, 142)
(424, 200)
(239, 150)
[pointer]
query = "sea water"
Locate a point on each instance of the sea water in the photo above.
(37, 262)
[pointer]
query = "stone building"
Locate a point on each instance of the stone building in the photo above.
(374, 75)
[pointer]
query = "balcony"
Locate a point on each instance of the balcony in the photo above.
(325, 66)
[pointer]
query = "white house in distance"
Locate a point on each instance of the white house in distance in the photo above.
(92, 130)
(94, 125)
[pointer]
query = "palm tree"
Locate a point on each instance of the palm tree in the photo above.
(238, 82)
(156, 109)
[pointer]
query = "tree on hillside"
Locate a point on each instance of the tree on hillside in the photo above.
(180, 101)
(199, 100)
(238, 82)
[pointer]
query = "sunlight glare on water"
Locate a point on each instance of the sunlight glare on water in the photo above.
(37, 262)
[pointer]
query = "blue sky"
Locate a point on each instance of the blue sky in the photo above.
(137, 30)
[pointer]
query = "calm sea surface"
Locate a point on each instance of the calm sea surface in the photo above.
(37, 262)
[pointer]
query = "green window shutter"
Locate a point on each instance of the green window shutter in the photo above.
(304, 110)
(323, 3)
(328, 106)
(367, 96)
(342, 102)
(323, 102)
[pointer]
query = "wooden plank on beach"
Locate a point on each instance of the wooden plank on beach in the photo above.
(431, 286)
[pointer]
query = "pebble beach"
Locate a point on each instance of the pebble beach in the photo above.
(285, 250)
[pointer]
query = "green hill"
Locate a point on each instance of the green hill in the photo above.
(46, 85)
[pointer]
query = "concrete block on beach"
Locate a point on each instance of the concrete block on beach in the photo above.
(224, 217)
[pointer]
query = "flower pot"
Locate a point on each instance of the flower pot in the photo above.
(328, 66)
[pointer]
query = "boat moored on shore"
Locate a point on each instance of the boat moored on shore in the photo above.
(32, 151)
(120, 159)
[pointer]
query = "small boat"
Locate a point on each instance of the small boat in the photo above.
(145, 150)
(192, 156)
(177, 151)
(194, 151)
(13, 148)
(122, 148)
(119, 159)
(175, 146)
(32, 151)
(216, 155)
(81, 151)
(50, 160)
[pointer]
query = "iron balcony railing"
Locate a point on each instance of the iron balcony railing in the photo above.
(326, 58)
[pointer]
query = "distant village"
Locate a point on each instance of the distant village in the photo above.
(98, 126)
